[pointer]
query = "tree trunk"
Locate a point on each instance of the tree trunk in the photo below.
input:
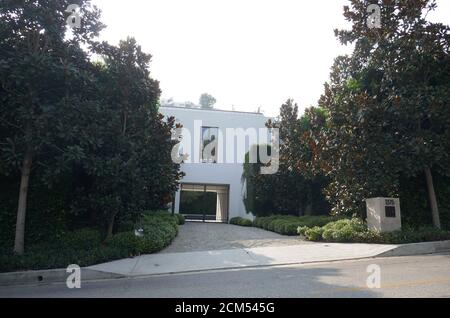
(109, 231)
(300, 208)
(22, 206)
(432, 197)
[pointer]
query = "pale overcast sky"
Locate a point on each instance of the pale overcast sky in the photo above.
(246, 53)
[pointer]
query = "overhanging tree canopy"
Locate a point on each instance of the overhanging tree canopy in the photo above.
(387, 105)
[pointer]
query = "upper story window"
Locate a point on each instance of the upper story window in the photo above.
(209, 144)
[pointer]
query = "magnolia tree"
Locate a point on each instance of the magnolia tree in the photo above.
(93, 126)
(386, 107)
(42, 73)
(131, 168)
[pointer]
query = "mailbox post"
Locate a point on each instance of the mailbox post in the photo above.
(383, 214)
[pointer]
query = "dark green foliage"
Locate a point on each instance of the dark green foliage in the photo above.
(198, 202)
(241, 222)
(415, 235)
(46, 216)
(45, 88)
(294, 189)
(288, 225)
(181, 219)
(386, 107)
(355, 231)
(100, 153)
(131, 168)
(82, 247)
(82, 239)
(415, 203)
(134, 244)
(257, 201)
(85, 247)
(159, 231)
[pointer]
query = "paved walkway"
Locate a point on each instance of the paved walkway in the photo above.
(167, 263)
(199, 236)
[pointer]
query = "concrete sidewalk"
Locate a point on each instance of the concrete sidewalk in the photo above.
(239, 258)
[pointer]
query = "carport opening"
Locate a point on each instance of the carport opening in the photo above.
(203, 202)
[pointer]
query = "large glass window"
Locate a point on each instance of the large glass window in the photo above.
(204, 202)
(209, 144)
(198, 203)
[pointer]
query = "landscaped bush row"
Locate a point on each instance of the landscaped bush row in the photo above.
(181, 219)
(355, 231)
(288, 225)
(241, 222)
(160, 228)
(85, 247)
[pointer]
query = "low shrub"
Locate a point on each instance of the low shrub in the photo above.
(289, 225)
(346, 230)
(126, 226)
(314, 233)
(82, 239)
(355, 231)
(39, 259)
(163, 216)
(411, 235)
(181, 219)
(241, 222)
(85, 247)
(128, 241)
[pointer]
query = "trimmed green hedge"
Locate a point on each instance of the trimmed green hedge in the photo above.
(288, 225)
(355, 231)
(160, 228)
(85, 247)
(181, 219)
(241, 222)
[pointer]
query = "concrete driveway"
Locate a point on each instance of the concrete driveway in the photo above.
(197, 236)
(212, 246)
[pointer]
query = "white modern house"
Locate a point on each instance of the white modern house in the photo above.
(214, 144)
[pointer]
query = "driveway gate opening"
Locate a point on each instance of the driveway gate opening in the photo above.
(205, 202)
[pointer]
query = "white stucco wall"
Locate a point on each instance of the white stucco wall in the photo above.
(223, 173)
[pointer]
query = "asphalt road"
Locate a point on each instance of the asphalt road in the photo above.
(418, 276)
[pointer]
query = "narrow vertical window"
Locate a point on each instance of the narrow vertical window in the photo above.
(209, 144)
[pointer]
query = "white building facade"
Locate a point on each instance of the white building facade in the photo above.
(214, 144)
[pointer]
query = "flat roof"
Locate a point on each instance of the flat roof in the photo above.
(214, 110)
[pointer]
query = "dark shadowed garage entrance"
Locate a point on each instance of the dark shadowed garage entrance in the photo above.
(205, 202)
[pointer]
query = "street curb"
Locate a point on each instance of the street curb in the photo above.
(418, 249)
(43, 277)
(411, 249)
